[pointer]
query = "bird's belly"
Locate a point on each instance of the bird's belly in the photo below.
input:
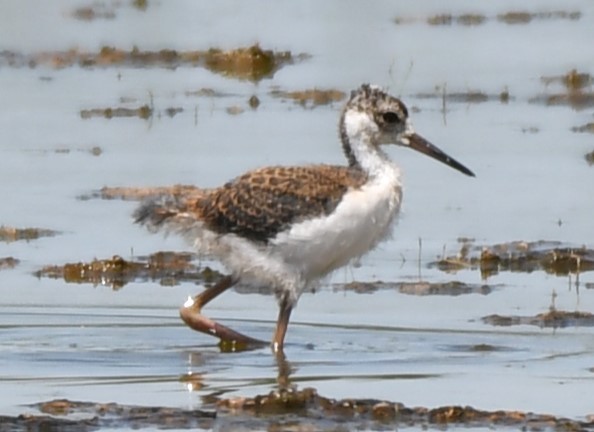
(319, 246)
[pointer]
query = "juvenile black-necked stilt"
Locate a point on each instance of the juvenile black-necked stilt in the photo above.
(288, 227)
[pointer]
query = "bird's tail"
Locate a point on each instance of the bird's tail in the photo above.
(169, 212)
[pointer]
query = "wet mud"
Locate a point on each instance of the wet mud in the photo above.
(286, 409)
(167, 268)
(552, 257)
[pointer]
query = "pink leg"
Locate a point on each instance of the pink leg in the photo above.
(190, 313)
(282, 324)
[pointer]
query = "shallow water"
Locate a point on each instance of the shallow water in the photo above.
(85, 342)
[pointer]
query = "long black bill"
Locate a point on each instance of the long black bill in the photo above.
(420, 144)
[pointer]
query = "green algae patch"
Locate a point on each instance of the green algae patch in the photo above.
(10, 234)
(168, 268)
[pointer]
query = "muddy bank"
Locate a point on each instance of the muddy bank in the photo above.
(278, 410)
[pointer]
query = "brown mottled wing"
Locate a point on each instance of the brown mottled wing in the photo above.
(261, 203)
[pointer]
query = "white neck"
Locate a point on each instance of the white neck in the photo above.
(363, 135)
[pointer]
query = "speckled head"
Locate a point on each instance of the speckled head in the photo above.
(388, 112)
(373, 117)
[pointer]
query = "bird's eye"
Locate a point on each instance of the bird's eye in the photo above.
(391, 117)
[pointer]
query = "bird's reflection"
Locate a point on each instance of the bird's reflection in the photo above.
(284, 369)
(198, 380)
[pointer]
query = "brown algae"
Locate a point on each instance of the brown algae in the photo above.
(168, 268)
(553, 318)
(469, 96)
(468, 19)
(552, 257)
(8, 263)
(251, 63)
(420, 288)
(587, 128)
(576, 92)
(474, 19)
(144, 112)
(94, 12)
(139, 193)
(311, 97)
(10, 234)
(523, 17)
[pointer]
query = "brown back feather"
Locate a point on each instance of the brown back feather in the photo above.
(263, 202)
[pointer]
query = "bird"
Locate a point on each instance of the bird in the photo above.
(287, 228)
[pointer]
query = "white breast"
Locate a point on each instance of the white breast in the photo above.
(363, 218)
